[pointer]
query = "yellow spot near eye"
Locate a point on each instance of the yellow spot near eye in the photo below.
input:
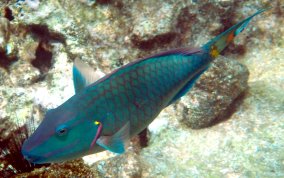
(214, 52)
(97, 122)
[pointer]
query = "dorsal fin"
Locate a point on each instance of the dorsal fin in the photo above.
(84, 75)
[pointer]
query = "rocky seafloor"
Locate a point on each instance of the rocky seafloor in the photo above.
(231, 124)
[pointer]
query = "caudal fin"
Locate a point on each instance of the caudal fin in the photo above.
(219, 43)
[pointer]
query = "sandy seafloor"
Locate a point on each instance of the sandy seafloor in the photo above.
(230, 125)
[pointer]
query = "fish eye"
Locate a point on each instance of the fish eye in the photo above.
(61, 130)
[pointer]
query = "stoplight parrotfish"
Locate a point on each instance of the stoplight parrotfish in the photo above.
(104, 114)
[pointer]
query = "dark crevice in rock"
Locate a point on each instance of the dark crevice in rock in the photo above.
(104, 1)
(43, 60)
(6, 61)
(143, 139)
(8, 14)
(44, 34)
(157, 41)
(117, 3)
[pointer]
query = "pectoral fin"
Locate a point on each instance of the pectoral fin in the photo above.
(84, 75)
(117, 142)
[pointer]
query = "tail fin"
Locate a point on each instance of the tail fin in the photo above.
(219, 43)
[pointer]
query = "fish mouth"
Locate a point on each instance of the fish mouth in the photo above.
(32, 158)
(35, 159)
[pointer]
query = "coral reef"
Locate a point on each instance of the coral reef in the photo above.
(242, 114)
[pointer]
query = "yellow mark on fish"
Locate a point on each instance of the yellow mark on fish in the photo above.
(214, 51)
(97, 122)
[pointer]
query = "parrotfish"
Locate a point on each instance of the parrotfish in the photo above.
(105, 114)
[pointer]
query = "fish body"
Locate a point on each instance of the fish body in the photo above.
(104, 114)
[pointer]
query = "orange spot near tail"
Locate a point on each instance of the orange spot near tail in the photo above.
(230, 37)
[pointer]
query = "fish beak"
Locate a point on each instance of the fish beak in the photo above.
(32, 158)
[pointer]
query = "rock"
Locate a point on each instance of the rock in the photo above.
(23, 73)
(152, 19)
(88, 2)
(4, 32)
(16, 104)
(127, 165)
(213, 93)
(7, 53)
(4, 78)
(33, 4)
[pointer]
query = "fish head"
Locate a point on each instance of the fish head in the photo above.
(60, 136)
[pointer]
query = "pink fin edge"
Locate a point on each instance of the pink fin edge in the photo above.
(97, 136)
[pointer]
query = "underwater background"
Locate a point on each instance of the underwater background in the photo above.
(231, 123)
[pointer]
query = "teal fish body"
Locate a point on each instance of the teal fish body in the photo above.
(104, 114)
(138, 92)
